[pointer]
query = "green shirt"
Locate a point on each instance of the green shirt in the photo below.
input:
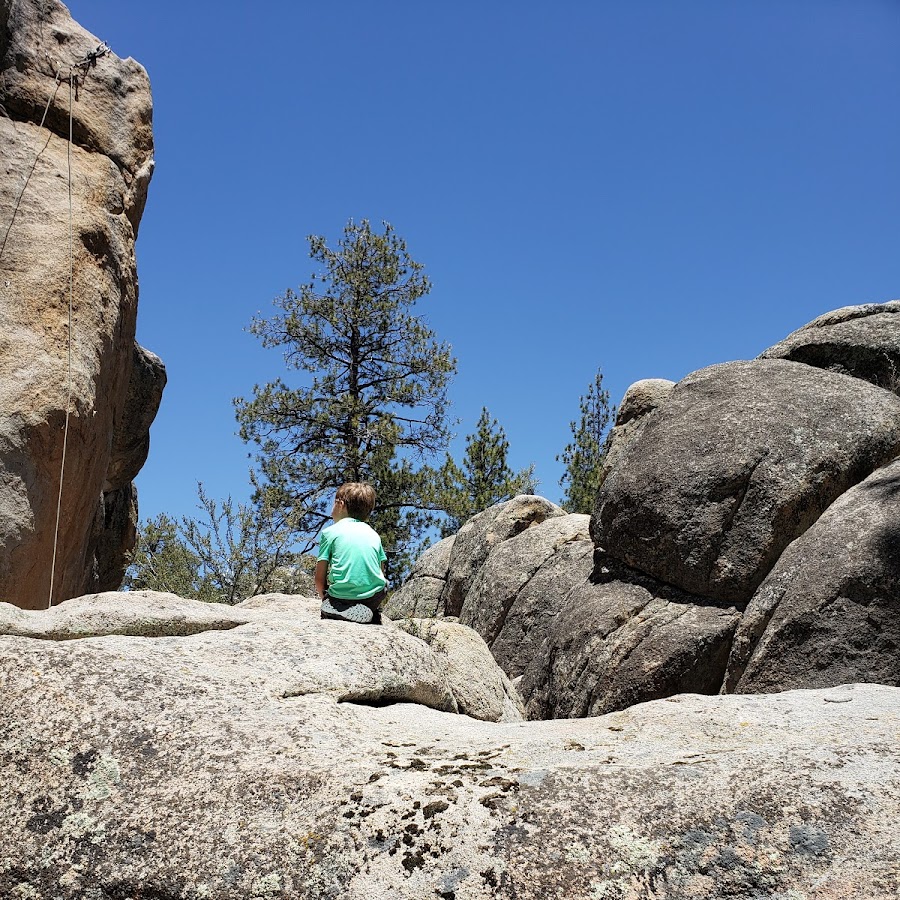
(354, 555)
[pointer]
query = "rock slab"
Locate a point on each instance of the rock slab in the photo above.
(862, 341)
(829, 612)
(221, 764)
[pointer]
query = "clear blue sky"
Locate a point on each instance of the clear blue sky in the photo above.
(646, 186)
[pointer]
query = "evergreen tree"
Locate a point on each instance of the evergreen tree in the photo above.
(229, 553)
(161, 561)
(374, 400)
(583, 457)
(484, 478)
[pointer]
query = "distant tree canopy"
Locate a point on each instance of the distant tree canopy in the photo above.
(483, 479)
(583, 456)
(367, 401)
(374, 403)
(227, 554)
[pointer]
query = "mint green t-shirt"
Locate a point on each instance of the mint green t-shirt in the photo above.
(354, 555)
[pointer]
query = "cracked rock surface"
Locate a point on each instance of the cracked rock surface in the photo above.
(739, 460)
(862, 341)
(112, 396)
(743, 538)
(265, 761)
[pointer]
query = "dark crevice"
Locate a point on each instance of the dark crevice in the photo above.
(186, 631)
(377, 702)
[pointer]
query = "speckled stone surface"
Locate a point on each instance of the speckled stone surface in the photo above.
(267, 760)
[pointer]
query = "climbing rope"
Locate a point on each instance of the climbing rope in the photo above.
(18, 202)
(77, 71)
(62, 465)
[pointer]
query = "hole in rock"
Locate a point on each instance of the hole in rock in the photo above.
(370, 700)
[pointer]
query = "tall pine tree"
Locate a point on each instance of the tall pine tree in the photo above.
(484, 478)
(583, 456)
(373, 402)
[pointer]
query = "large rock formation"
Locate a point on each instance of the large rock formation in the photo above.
(114, 389)
(505, 574)
(276, 755)
(863, 341)
(740, 459)
(623, 638)
(768, 482)
(422, 593)
(829, 611)
(639, 401)
(484, 531)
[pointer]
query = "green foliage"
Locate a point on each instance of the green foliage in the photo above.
(162, 561)
(373, 402)
(583, 457)
(484, 478)
(230, 553)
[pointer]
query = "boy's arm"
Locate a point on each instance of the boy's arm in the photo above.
(321, 577)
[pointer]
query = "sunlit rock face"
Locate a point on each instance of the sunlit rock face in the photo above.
(159, 747)
(744, 537)
(114, 388)
(863, 341)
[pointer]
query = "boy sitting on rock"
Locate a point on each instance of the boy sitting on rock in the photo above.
(350, 564)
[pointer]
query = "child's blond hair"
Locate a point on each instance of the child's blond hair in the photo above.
(358, 499)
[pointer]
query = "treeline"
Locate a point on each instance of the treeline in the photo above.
(371, 405)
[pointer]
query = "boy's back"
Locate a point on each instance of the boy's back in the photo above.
(354, 555)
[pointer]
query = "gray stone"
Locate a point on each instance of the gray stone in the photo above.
(420, 595)
(479, 687)
(620, 642)
(739, 461)
(641, 399)
(215, 765)
(829, 612)
(863, 341)
(130, 613)
(113, 114)
(111, 160)
(491, 600)
(530, 617)
(131, 439)
(475, 540)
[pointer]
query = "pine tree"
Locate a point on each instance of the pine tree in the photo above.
(484, 478)
(374, 403)
(161, 561)
(583, 457)
(228, 553)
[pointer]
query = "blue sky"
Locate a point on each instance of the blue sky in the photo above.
(645, 186)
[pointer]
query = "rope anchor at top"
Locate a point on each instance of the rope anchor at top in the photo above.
(80, 67)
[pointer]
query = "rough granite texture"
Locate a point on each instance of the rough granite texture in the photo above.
(623, 638)
(112, 161)
(420, 594)
(641, 399)
(481, 534)
(863, 341)
(530, 617)
(226, 765)
(740, 459)
(829, 612)
(491, 599)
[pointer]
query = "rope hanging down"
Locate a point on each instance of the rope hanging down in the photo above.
(89, 61)
(62, 465)
(76, 74)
